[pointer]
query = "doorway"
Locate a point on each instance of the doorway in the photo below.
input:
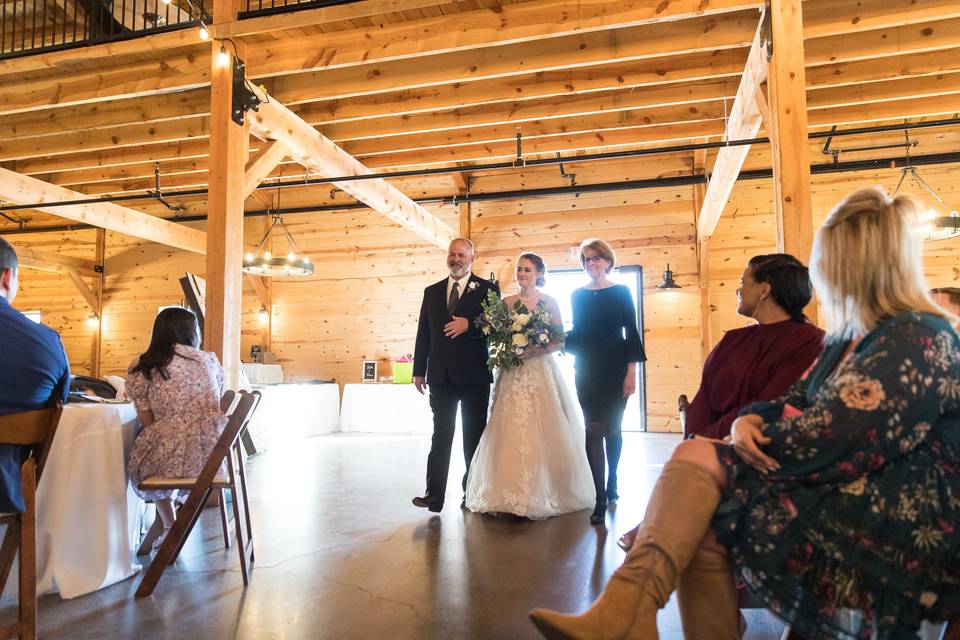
(561, 285)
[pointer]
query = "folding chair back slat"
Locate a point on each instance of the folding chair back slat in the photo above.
(36, 430)
(200, 491)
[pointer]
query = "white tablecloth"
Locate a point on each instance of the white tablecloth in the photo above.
(296, 410)
(262, 373)
(87, 514)
(385, 408)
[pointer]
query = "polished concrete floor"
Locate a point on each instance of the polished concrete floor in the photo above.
(341, 553)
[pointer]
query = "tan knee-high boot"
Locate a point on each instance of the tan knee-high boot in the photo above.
(707, 595)
(678, 515)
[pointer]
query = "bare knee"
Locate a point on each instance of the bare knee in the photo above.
(702, 453)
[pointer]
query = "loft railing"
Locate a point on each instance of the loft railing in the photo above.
(36, 26)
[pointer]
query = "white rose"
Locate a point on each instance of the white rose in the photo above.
(516, 326)
(544, 337)
(519, 340)
(523, 319)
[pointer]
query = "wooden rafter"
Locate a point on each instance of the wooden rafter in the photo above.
(744, 123)
(310, 148)
(88, 295)
(21, 189)
(54, 262)
(260, 166)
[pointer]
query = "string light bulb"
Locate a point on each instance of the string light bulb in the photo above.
(204, 34)
(223, 58)
(263, 315)
(167, 1)
(93, 321)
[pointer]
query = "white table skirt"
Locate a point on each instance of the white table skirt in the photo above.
(385, 408)
(292, 410)
(87, 513)
(262, 373)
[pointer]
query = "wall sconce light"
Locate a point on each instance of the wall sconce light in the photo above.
(668, 282)
(263, 315)
(93, 321)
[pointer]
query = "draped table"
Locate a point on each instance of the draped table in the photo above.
(87, 514)
(385, 408)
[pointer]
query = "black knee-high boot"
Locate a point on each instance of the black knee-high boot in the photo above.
(613, 439)
(594, 445)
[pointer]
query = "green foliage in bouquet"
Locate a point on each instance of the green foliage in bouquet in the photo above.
(510, 332)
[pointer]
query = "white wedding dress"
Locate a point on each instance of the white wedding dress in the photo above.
(531, 460)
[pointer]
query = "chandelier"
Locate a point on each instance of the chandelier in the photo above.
(264, 263)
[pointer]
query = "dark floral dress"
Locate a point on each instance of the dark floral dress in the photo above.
(858, 532)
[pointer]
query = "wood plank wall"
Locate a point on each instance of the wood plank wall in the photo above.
(748, 228)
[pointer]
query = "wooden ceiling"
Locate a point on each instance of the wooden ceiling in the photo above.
(403, 84)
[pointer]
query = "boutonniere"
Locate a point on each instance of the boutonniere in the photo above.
(472, 286)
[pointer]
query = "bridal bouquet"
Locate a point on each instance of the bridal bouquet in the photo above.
(510, 332)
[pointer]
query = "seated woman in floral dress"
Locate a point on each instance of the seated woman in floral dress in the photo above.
(839, 503)
(176, 389)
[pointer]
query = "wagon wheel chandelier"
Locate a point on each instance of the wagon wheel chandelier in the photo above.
(263, 263)
(935, 224)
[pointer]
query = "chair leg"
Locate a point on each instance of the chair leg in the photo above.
(241, 547)
(246, 502)
(223, 519)
(146, 546)
(28, 554)
(187, 517)
(11, 542)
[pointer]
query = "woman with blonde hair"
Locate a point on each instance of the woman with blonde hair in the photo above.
(839, 503)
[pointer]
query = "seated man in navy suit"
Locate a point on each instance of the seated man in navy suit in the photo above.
(35, 373)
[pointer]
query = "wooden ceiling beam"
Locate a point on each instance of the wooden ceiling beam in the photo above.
(19, 189)
(527, 22)
(88, 295)
(877, 43)
(53, 262)
(744, 123)
(261, 165)
(307, 146)
(833, 17)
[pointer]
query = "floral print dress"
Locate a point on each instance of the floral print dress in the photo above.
(187, 418)
(857, 535)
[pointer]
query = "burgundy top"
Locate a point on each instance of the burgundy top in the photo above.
(758, 362)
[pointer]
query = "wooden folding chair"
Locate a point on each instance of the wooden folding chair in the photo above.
(156, 529)
(201, 488)
(34, 429)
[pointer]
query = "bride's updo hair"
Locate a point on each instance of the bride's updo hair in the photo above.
(538, 265)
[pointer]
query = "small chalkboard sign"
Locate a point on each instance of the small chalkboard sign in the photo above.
(369, 371)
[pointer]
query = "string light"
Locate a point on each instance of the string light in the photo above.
(93, 321)
(263, 315)
(223, 58)
(204, 34)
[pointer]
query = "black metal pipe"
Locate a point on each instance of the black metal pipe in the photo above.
(653, 183)
(609, 155)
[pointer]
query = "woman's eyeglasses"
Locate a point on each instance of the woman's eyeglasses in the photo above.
(593, 259)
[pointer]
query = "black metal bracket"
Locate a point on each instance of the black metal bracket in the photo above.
(98, 268)
(243, 98)
(519, 162)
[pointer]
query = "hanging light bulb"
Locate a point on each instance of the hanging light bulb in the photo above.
(248, 258)
(93, 321)
(204, 34)
(263, 315)
(291, 256)
(267, 255)
(223, 58)
(167, 1)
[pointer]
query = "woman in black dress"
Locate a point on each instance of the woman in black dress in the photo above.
(607, 346)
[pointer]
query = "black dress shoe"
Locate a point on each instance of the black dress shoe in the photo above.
(599, 514)
(428, 502)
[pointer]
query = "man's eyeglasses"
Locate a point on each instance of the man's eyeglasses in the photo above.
(594, 259)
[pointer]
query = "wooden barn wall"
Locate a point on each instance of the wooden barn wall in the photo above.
(139, 278)
(748, 228)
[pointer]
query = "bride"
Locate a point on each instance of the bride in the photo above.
(530, 461)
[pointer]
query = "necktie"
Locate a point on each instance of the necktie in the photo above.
(454, 297)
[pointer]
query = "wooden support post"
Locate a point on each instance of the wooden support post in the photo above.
(703, 279)
(789, 145)
(98, 290)
(228, 158)
(465, 221)
(790, 148)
